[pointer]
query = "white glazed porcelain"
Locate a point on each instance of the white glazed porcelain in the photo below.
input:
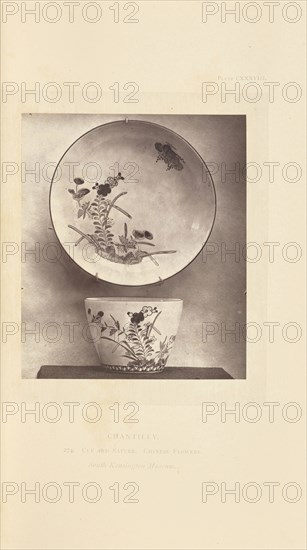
(133, 334)
(136, 199)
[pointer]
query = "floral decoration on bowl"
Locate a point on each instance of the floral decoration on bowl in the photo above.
(136, 339)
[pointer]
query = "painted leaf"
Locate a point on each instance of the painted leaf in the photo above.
(128, 356)
(83, 192)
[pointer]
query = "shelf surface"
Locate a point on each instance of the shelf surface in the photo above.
(169, 373)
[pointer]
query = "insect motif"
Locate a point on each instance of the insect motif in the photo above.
(169, 156)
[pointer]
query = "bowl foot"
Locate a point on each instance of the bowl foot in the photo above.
(135, 369)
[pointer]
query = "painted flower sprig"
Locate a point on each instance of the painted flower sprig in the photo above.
(136, 337)
(125, 250)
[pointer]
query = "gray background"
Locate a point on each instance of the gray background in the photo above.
(212, 290)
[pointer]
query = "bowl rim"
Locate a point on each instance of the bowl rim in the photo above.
(126, 120)
(131, 299)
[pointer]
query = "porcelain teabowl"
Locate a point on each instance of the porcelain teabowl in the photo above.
(133, 334)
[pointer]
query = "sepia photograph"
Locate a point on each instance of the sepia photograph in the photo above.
(135, 239)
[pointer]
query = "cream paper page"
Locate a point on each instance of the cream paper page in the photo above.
(132, 464)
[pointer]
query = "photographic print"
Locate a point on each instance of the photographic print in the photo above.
(136, 223)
